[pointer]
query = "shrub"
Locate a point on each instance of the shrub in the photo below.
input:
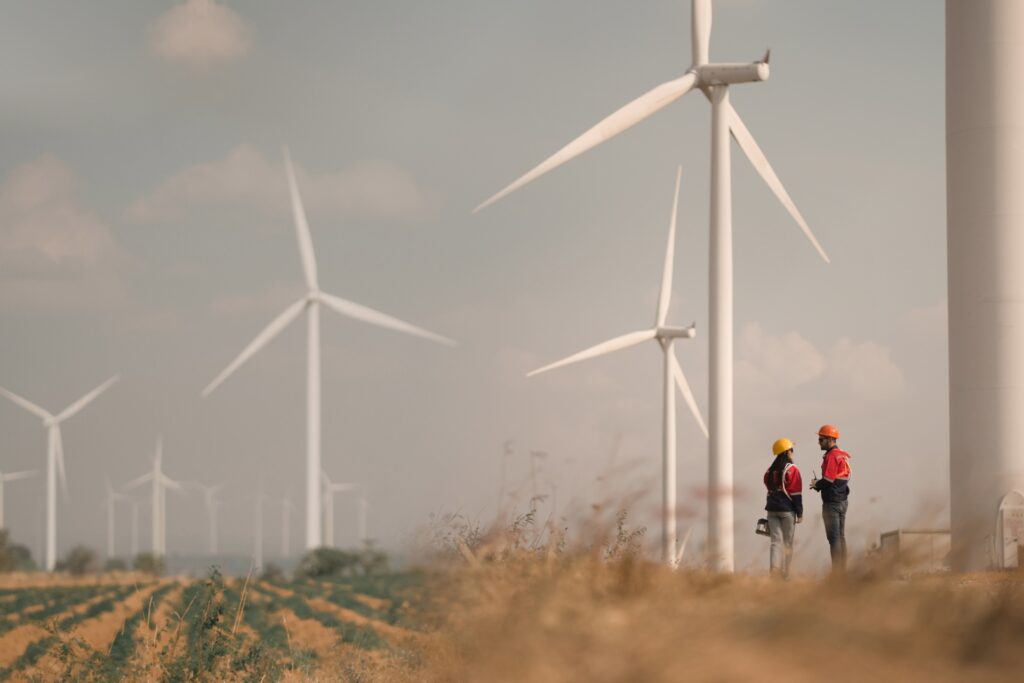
(115, 564)
(337, 563)
(14, 557)
(79, 560)
(149, 563)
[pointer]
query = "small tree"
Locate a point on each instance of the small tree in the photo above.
(336, 563)
(79, 560)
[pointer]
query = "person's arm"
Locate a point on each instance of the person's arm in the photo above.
(795, 487)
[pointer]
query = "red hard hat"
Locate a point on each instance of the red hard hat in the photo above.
(829, 430)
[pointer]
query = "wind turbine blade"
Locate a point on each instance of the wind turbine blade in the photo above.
(700, 23)
(171, 484)
(268, 333)
(85, 400)
(15, 476)
(301, 226)
(369, 315)
(26, 404)
(626, 117)
(665, 296)
(625, 341)
(684, 389)
(760, 162)
(138, 481)
(58, 441)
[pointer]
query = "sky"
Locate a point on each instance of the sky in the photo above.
(145, 230)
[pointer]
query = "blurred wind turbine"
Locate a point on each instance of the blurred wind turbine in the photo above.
(160, 483)
(286, 523)
(674, 377)
(713, 79)
(258, 501)
(55, 457)
(310, 304)
(11, 476)
(364, 507)
(330, 488)
(109, 503)
(211, 505)
(135, 528)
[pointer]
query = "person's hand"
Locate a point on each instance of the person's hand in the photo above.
(799, 519)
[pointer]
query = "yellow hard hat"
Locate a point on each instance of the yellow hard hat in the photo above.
(781, 446)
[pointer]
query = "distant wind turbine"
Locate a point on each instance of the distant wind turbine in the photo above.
(310, 304)
(11, 476)
(160, 482)
(211, 504)
(55, 457)
(286, 523)
(330, 488)
(713, 79)
(364, 507)
(110, 502)
(673, 377)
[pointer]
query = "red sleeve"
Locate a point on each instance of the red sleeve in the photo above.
(765, 480)
(794, 482)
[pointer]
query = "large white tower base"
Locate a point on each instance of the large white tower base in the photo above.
(985, 216)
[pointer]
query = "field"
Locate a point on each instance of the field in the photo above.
(519, 617)
(130, 627)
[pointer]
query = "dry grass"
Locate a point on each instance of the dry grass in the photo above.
(528, 618)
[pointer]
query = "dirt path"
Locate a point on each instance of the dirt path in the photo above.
(14, 642)
(98, 632)
(396, 633)
(149, 642)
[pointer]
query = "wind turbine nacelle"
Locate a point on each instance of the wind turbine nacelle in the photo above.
(677, 332)
(729, 74)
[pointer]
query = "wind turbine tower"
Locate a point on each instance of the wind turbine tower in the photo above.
(713, 79)
(55, 457)
(985, 242)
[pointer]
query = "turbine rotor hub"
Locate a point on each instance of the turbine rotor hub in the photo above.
(676, 332)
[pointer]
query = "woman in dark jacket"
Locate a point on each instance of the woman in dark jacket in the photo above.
(785, 505)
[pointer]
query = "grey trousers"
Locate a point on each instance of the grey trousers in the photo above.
(834, 516)
(782, 529)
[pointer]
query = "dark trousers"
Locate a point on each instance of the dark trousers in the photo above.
(834, 515)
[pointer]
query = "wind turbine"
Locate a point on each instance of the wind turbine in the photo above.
(330, 488)
(674, 377)
(713, 79)
(286, 522)
(110, 503)
(211, 505)
(364, 507)
(135, 529)
(310, 304)
(11, 476)
(160, 482)
(55, 457)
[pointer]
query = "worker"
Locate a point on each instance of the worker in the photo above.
(834, 487)
(785, 506)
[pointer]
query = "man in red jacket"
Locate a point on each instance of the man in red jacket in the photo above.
(834, 487)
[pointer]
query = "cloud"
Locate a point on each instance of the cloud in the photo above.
(784, 361)
(862, 369)
(866, 368)
(246, 179)
(54, 252)
(200, 34)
